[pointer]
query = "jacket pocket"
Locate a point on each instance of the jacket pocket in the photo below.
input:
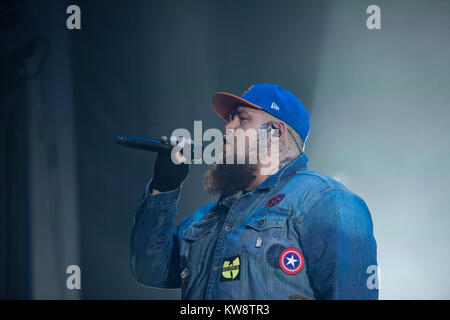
(266, 221)
(197, 241)
(262, 232)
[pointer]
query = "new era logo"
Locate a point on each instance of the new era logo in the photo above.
(275, 106)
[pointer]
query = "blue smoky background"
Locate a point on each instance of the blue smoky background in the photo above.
(378, 102)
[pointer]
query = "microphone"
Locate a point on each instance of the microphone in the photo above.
(144, 144)
(152, 145)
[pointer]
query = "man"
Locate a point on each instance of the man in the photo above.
(291, 234)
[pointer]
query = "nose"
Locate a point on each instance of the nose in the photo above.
(226, 126)
(231, 124)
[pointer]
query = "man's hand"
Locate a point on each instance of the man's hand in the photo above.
(168, 175)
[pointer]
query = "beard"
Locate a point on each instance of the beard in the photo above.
(229, 178)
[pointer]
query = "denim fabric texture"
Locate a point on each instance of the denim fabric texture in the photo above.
(298, 234)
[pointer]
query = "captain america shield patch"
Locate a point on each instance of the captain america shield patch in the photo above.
(291, 261)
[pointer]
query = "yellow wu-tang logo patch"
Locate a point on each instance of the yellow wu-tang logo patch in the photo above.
(230, 269)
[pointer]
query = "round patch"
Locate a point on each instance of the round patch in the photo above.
(275, 200)
(291, 261)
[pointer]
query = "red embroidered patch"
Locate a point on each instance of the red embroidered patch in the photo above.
(275, 200)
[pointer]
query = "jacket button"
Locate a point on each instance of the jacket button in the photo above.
(227, 228)
(261, 222)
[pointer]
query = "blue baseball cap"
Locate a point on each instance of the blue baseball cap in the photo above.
(268, 97)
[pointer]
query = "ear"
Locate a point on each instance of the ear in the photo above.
(281, 127)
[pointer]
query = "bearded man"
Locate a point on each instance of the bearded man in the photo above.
(291, 233)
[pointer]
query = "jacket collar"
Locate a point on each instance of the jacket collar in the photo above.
(299, 163)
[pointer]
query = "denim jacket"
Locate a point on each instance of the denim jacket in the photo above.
(299, 235)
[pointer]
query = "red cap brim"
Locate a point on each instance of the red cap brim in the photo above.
(224, 103)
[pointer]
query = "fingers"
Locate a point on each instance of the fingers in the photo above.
(173, 140)
(180, 143)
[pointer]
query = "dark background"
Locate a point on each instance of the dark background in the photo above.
(378, 101)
